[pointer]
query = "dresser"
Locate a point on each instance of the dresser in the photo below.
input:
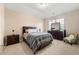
(58, 34)
(11, 39)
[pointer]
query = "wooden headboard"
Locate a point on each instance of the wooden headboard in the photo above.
(26, 28)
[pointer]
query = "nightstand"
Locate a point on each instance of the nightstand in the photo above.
(11, 39)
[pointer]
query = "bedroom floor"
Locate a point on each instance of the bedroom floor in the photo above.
(56, 48)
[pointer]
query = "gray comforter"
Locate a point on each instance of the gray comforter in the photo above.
(36, 40)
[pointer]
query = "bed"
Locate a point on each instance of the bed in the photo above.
(35, 40)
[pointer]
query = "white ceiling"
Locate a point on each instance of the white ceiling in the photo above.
(52, 9)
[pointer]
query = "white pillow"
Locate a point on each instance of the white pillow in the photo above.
(32, 30)
(71, 36)
(25, 35)
(26, 31)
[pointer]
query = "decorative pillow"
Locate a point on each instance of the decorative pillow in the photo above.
(71, 36)
(32, 30)
(26, 31)
(25, 35)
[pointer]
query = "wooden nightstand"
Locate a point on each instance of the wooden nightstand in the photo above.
(11, 39)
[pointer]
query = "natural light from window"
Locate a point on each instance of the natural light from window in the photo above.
(61, 21)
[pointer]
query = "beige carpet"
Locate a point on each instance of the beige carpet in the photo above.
(56, 48)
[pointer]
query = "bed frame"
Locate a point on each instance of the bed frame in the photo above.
(26, 28)
(23, 31)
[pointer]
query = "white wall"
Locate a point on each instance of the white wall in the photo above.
(16, 20)
(71, 21)
(1, 23)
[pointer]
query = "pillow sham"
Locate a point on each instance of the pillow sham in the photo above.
(32, 30)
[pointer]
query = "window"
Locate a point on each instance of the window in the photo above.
(53, 21)
(49, 25)
(57, 20)
(61, 21)
(61, 24)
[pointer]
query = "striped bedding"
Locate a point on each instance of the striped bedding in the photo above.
(38, 39)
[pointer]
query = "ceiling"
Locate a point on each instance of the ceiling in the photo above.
(51, 9)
